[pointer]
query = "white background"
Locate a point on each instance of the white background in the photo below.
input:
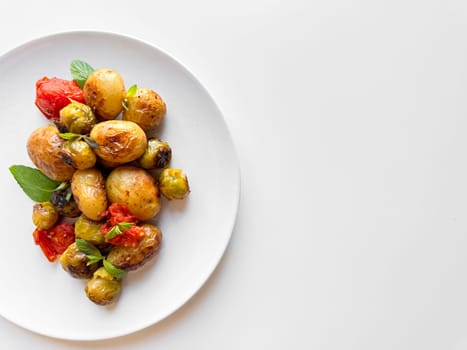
(350, 122)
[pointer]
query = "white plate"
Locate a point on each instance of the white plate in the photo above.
(40, 296)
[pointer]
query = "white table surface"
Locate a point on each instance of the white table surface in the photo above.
(350, 123)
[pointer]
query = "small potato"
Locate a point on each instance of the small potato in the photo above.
(130, 258)
(146, 108)
(104, 92)
(135, 188)
(88, 187)
(119, 141)
(44, 148)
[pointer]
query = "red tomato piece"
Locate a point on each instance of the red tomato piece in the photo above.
(52, 94)
(117, 213)
(54, 241)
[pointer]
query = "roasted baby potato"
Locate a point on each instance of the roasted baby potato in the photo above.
(103, 288)
(135, 188)
(88, 187)
(119, 141)
(44, 148)
(146, 108)
(74, 261)
(104, 92)
(130, 258)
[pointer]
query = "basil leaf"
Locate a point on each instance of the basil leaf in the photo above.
(91, 143)
(114, 231)
(125, 225)
(88, 248)
(93, 259)
(114, 271)
(132, 90)
(34, 183)
(69, 135)
(80, 71)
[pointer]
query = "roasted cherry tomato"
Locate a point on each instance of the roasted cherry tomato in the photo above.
(52, 94)
(120, 227)
(54, 241)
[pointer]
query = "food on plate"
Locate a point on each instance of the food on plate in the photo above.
(88, 188)
(118, 141)
(136, 189)
(77, 118)
(103, 288)
(104, 92)
(98, 177)
(157, 154)
(130, 258)
(45, 150)
(75, 262)
(44, 215)
(52, 94)
(144, 107)
(173, 183)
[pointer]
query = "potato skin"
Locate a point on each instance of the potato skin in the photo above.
(146, 108)
(104, 92)
(44, 148)
(88, 187)
(119, 141)
(131, 258)
(135, 188)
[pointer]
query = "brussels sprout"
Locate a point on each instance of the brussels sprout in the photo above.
(44, 215)
(65, 203)
(157, 155)
(89, 230)
(103, 288)
(75, 262)
(78, 154)
(173, 184)
(77, 118)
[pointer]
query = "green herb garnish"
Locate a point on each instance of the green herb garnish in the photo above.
(80, 71)
(94, 256)
(118, 229)
(132, 90)
(34, 183)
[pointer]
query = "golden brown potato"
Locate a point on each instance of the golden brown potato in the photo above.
(130, 258)
(88, 187)
(146, 108)
(135, 188)
(44, 148)
(104, 92)
(119, 141)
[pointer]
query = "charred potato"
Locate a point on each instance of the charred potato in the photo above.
(44, 148)
(135, 188)
(146, 108)
(119, 141)
(130, 258)
(88, 187)
(104, 92)
(74, 261)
